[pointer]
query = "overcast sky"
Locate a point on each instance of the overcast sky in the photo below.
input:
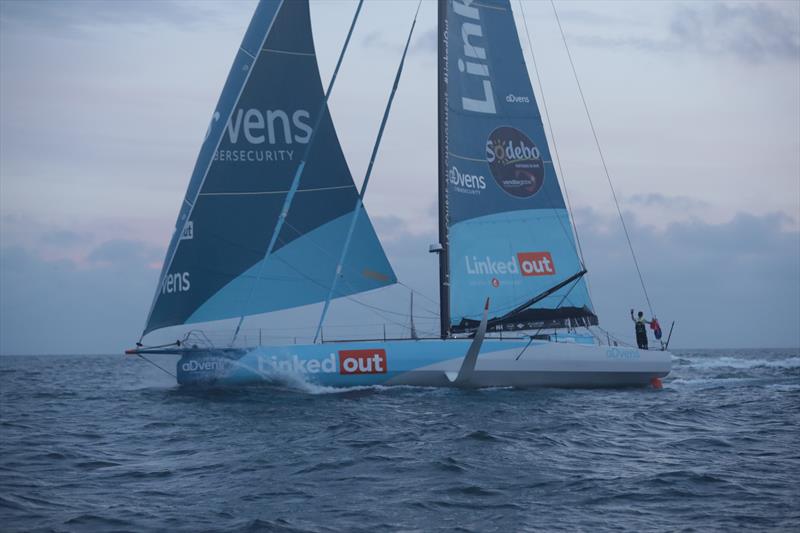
(104, 105)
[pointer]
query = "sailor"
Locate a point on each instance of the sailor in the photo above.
(641, 330)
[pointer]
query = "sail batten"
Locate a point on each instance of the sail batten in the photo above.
(507, 232)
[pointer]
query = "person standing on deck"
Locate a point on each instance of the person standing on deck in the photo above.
(641, 330)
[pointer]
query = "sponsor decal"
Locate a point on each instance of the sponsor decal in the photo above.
(491, 266)
(214, 119)
(527, 264)
(536, 264)
(362, 361)
(272, 126)
(512, 99)
(622, 353)
(266, 129)
(203, 365)
(176, 282)
(294, 364)
(466, 183)
(253, 156)
(349, 362)
(377, 276)
(477, 93)
(515, 162)
(188, 231)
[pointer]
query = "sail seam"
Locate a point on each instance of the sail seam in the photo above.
(248, 54)
(451, 154)
(307, 54)
(257, 193)
(487, 6)
(479, 160)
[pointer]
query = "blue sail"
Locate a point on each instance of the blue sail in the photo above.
(255, 142)
(508, 234)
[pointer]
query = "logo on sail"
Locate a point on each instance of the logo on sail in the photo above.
(362, 361)
(176, 282)
(188, 231)
(526, 264)
(466, 183)
(515, 162)
(474, 64)
(249, 130)
(514, 99)
(536, 264)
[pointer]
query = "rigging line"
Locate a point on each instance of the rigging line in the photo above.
(523, 350)
(287, 203)
(570, 211)
(360, 200)
(559, 305)
(552, 134)
(562, 284)
(157, 366)
(344, 280)
(603, 160)
(412, 289)
(375, 309)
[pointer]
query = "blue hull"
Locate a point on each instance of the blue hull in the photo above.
(434, 363)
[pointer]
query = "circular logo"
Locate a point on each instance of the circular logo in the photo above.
(495, 282)
(515, 162)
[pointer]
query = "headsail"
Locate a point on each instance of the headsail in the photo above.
(507, 231)
(252, 149)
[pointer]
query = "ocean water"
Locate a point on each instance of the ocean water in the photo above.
(104, 443)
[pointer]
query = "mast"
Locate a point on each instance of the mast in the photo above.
(444, 259)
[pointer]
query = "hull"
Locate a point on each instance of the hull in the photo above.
(427, 363)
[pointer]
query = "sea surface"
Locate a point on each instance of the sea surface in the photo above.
(105, 443)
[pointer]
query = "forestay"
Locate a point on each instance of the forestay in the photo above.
(508, 235)
(254, 144)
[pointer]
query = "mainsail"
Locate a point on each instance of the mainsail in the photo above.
(505, 229)
(259, 132)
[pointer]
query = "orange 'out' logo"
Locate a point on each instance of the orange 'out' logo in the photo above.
(536, 264)
(362, 362)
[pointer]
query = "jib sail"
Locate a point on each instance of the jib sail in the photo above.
(505, 226)
(254, 144)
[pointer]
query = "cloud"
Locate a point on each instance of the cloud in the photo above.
(65, 238)
(754, 33)
(733, 284)
(122, 252)
(678, 202)
(80, 16)
(61, 306)
(426, 41)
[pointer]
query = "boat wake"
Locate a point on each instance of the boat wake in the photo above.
(733, 369)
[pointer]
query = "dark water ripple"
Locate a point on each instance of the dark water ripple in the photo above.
(107, 444)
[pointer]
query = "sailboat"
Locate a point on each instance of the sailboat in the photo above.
(273, 220)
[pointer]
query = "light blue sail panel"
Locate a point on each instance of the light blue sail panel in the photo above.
(258, 135)
(300, 272)
(510, 237)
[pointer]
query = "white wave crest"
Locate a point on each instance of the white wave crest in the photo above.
(733, 362)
